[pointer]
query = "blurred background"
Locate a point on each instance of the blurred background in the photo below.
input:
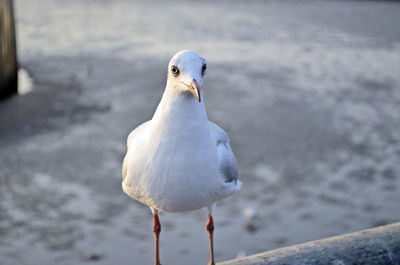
(309, 92)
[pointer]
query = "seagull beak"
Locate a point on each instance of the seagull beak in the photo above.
(194, 89)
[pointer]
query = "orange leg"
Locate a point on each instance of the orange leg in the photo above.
(210, 229)
(156, 230)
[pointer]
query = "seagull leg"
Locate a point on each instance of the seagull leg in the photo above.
(210, 229)
(156, 230)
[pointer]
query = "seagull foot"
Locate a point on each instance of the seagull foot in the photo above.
(210, 229)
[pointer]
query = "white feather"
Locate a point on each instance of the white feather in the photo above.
(175, 162)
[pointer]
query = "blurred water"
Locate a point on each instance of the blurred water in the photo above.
(307, 90)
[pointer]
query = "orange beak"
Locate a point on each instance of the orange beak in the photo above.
(194, 89)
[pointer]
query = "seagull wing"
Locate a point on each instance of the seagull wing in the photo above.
(227, 160)
(131, 142)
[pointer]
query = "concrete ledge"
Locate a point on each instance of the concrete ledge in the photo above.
(374, 246)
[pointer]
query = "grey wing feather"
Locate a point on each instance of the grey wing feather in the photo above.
(227, 160)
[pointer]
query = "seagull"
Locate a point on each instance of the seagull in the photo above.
(179, 160)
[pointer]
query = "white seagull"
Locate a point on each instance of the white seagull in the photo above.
(179, 160)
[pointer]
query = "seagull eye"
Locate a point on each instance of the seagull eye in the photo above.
(175, 70)
(203, 69)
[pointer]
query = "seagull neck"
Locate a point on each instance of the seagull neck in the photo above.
(182, 107)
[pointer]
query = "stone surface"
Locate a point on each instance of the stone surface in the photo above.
(377, 246)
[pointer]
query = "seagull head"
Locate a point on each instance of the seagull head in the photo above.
(185, 73)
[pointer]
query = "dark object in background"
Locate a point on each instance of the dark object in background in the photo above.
(8, 51)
